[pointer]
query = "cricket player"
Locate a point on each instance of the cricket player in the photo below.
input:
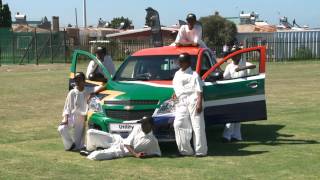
(140, 143)
(74, 114)
(190, 34)
(189, 118)
(236, 69)
(93, 68)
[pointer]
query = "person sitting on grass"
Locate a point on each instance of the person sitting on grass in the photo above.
(74, 114)
(140, 143)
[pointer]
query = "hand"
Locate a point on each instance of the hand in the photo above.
(178, 44)
(173, 97)
(140, 155)
(199, 108)
(64, 121)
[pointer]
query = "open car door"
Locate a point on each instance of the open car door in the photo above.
(80, 61)
(239, 99)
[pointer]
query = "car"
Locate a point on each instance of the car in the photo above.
(142, 86)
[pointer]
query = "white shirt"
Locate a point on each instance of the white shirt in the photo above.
(142, 142)
(107, 63)
(77, 102)
(185, 35)
(230, 71)
(187, 84)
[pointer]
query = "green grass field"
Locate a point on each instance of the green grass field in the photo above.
(286, 146)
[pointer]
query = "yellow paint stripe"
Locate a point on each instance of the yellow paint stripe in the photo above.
(110, 95)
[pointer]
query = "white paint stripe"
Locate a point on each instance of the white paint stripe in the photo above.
(147, 83)
(234, 100)
(261, 76)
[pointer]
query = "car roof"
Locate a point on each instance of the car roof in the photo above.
(167, 50)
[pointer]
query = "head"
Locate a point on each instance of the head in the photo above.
(146, 124)
(80, 79)
(191, 20)
(184, 61)
(100, 52)
(236, 59)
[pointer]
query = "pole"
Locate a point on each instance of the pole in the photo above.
(36, 46)
(84, 13)
(65, 45)
(76, 14)
(51, 51)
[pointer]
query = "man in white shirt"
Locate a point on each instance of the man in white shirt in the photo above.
(190, 34)
(189, 119)
(94, 70)
(74, 114)
(140, 143)
(236, 69)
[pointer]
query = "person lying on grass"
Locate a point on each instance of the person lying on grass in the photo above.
(140, 143)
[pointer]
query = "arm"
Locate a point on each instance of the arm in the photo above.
(91, 68)
(245, 68)
(199, 89)
(199, 102)
(67, 109)
(197, 35)
(135, 154)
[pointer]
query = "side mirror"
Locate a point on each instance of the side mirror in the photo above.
(215, 76)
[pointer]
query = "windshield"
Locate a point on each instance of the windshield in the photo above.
(148, 68)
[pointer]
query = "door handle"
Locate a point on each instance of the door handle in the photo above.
(253, 84)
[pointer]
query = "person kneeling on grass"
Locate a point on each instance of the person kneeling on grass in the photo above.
(74, 114)
(140, 143)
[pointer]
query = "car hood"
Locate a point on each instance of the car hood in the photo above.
(141, 90)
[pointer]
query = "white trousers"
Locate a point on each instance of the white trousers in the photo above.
(232, 130)
(112, 143)
(187, 120)
(77, 124)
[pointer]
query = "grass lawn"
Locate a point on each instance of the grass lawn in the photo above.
(286, 146)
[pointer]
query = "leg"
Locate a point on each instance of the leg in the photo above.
(107, 154)
(96, 138)
(79, 131)
(237, 131)
(183, 130)
(65, 135)
(199, 131)
(228, 131)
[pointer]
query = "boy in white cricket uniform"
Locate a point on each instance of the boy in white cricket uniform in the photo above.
(74, 114)
(140, 143)
(190, 34)
(189, 118)
(106, 60)
(236, 69)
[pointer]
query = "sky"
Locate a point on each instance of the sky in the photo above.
(305, 12)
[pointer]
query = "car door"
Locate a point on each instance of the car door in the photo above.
(239, 99)
(80, 61)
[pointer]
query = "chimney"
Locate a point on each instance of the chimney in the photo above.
(55, 23)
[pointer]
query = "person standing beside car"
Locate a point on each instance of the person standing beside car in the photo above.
(236, 69)
(189, 119)
(190, 34)
(74, 114)
(94, 70)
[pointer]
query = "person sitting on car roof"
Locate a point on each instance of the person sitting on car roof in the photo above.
(190, 34)
(236, 69)
(94, 70)
(140, 143)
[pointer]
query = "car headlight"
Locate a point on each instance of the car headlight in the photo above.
(167, 108)
(94, 104)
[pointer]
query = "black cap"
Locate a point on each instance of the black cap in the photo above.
(80, 75)
(100, 50)
(146, 119)
(191, 17)
(184, 57)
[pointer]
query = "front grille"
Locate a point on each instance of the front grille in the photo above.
(128, 115)
(132, 102)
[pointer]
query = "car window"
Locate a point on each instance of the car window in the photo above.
(150, 68)
(205, 64)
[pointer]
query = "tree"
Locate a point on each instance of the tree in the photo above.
(120, 23)
(218, 31)
(5, 16)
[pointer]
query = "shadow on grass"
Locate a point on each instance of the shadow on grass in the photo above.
(253, 134)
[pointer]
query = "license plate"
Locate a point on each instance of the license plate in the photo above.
(122, 127)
